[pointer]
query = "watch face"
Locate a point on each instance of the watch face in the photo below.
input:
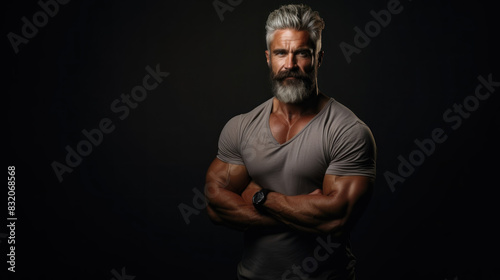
(257, 198)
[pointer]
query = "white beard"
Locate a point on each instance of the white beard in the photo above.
(292, 91)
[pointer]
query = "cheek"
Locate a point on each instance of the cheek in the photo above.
(275, 65)
(307, 66)
(276, 62)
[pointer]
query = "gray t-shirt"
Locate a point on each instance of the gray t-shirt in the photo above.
(334, 142)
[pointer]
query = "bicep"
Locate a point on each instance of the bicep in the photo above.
(232, 177)
(349, 195)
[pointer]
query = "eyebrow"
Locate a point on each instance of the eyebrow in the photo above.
(276, 51)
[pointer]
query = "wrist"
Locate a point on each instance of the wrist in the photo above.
(259, 198)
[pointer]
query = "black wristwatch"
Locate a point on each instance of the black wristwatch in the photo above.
(259, 198)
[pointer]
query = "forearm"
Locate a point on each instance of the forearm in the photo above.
(232, 210)
(333, 209)
(311, 213)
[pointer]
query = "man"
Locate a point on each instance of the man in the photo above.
(297, 171)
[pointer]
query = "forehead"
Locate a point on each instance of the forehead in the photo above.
(291, 38)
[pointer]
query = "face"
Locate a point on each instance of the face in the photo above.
(293, 65)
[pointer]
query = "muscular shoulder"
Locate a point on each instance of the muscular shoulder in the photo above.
(339, 119)
(351, 146)
(238, 130)
(257, 113)
(345, 130)
(239, 122)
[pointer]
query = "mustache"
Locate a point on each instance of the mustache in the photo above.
(290, 74)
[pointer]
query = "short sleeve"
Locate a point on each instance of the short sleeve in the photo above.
(354, 153)
(229, 142)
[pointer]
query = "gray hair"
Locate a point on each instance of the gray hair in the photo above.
(298, 17)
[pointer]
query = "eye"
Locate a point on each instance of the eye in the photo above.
(304, 53)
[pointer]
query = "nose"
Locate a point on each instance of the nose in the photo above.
(290, 62)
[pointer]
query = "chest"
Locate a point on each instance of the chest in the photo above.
(282, 130)
(296, 166)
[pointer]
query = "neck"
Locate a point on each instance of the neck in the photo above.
(291, 111)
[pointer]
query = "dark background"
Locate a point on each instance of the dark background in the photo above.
(118, 209)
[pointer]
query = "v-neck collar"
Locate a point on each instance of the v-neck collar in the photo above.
(268, 124)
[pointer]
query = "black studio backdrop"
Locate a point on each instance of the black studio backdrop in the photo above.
(114, 109)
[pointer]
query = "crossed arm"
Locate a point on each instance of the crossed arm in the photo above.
(329, 209)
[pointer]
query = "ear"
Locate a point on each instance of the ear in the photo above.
(321, 54)
(267, 57)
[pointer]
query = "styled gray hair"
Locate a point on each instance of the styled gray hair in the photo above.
(298, 17)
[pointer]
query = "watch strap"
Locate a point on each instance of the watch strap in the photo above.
(259, 204)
